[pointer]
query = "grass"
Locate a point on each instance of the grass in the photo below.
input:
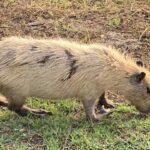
(68, 129)
(114, 22)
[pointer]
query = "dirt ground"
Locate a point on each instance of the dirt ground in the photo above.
(124, 24)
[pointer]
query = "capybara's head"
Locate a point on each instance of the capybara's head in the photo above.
(138, 91)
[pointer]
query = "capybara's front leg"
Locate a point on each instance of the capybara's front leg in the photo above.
(89, 107)
(103, 102)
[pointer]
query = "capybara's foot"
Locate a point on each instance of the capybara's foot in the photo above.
(102, 113)
(3, 103)
(109, 106)
(24, 111)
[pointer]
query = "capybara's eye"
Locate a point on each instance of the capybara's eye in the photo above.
(148, 90)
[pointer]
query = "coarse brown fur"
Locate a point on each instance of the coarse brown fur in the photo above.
(56, 69)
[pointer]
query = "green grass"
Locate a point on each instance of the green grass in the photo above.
(115, 22)
(68, 129)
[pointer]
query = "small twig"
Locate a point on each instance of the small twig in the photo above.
(132, 5)
(5, 27)
(143, 33)
(36, 23)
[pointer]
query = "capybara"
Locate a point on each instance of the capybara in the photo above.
(59, 69)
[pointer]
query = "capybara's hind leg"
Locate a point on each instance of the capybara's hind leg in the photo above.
(3, 102)
(103, 102)
(24, 111)
(17, 105)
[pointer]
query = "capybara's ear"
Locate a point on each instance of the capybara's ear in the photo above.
(139, 63)
(139, 77)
